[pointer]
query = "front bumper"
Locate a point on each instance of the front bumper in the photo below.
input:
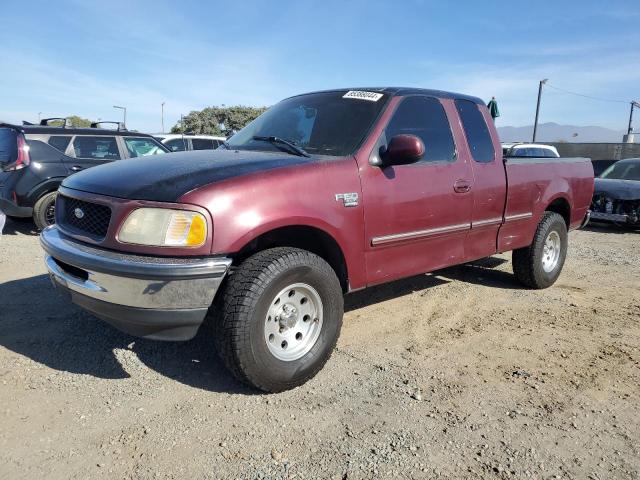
(609, 217)
(153, 297)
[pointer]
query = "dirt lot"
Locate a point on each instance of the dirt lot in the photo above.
(459, 374)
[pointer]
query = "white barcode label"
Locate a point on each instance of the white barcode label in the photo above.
(360, 95)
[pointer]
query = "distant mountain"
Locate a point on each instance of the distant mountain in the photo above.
(552, 132)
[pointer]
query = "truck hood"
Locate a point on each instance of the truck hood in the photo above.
(165, 178)
(617, 189)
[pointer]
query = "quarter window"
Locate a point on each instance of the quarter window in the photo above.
(141, 147)
(60, 142)
(201, 144)
(475, 127)
(425, 118)
(176, 144)
(100, 148)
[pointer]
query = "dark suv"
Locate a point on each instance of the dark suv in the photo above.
(34, 159)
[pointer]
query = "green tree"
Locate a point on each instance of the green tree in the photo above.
(75, 120)
(217, 120)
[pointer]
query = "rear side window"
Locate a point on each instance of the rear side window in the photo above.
(201, 144)
(60, 142)
(425, 118)
(100, 148)
(141, 147)
(475, 127)
(8, 145)
(176, 145)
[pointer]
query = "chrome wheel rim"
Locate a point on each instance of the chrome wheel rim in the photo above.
(551, 252)
(293, 323)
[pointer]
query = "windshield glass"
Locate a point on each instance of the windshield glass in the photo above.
(320, 123)
(623, 171)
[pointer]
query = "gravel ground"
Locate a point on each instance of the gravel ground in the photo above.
(458, 374)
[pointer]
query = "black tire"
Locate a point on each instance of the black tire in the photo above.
(44, 210)
(528, 262)
(241, 311)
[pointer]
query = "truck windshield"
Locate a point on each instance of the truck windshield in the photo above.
(623, 171)
(328, 123)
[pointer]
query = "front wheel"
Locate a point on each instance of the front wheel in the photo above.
(539, 265)
(44, 211)
(279, 318)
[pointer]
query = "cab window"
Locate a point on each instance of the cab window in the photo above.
(475, 127)
(425, 118)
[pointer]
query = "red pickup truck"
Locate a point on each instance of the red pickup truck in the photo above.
(324, 194)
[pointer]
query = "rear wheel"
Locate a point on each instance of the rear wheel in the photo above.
(539, 265)
(278, 318)
(44, 211)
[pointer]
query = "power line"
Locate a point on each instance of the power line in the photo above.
(586, 96)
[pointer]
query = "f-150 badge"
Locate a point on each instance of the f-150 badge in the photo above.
(348, 199)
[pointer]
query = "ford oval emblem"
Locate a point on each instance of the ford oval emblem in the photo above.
(78, 213)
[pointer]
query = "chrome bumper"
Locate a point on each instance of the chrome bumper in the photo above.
(154, 297)
(586, 219)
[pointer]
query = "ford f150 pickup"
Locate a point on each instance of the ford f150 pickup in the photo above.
(323, 194)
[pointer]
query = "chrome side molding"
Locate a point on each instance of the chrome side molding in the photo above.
(397, 237)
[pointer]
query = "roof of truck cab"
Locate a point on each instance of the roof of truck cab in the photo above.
(404, 91)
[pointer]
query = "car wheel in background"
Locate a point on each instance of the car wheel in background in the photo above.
(44, 210)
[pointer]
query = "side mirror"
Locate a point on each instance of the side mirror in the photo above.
(403, 150)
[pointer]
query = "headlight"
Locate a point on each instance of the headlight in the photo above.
(164, 228)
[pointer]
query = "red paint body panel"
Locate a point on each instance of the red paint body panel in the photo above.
(412, 198)
(533, 187)
(249, 206)
(409, 219)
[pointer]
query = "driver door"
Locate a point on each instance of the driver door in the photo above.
(417, 216)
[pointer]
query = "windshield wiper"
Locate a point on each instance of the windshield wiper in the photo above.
(293, 148)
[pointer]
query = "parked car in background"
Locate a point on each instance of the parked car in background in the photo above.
(34, 159)
(180, 143)
(529, 150)
(616, 197)
(323, 194)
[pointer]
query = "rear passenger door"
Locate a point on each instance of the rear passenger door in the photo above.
(89, 151)
(417, 216)
(489, 191)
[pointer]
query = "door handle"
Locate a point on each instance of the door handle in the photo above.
(76, 168)
(461, 186)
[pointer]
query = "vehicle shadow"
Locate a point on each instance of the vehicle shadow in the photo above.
(596, 227)
(482, 272)
(19, 226)
(50, 330)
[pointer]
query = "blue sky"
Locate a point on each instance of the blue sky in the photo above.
(82, 57)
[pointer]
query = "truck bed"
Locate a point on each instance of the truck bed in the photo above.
(535, 183)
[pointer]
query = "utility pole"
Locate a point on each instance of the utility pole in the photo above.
(535, 123)
(628, 138)
(124, 109)
(162, 106)
(39, 115)
(633, 104)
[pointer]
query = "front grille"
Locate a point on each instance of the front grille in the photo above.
(90, 219)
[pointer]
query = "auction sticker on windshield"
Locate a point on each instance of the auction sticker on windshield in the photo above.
(360, 95)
